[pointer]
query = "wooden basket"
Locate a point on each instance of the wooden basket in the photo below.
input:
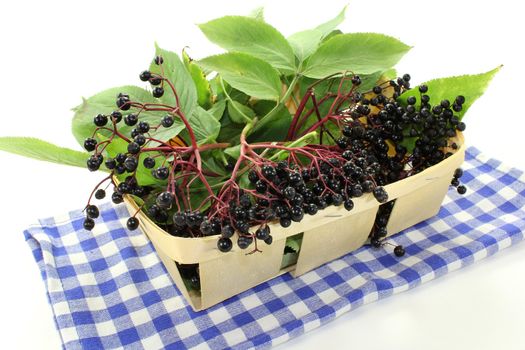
(331, 233)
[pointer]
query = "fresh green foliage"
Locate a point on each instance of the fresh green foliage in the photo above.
(234, 151)
(202, 85)
(294, 242)
(470, 86)
(205, 126)
(329, 26)
(273, 127)
(240, 113)
(251, 36)
(291, 250)
(177, 73)
(41, 150)
(217, 110)
(258, 82)
(360, 53)
(305, 42)
(246, 73)
(104, 103)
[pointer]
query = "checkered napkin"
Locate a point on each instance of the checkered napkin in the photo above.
(108, 288)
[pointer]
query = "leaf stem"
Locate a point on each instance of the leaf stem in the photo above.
(230, 100)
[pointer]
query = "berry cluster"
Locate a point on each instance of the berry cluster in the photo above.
(455, 181)
(379, 140)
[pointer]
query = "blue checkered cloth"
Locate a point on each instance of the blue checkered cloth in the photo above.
(108, 288)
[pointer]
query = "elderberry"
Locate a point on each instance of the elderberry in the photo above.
(100, 194)
(148, 162)
(100, 120)
(262, 232)
(132, 223)
(399, 251)
(244, 241)
(380, 194)
(225, 244)
(167, 121)
(90, 144)
(158, 92)
(88, 224)
(92, 211)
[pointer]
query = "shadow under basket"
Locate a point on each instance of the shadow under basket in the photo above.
(331, 233)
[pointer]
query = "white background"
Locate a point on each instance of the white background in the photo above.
(52, 53)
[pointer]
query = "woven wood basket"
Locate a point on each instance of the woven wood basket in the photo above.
(331, 233)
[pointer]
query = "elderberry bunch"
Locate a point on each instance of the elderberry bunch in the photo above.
(128, 162)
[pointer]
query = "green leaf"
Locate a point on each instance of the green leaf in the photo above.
(304, 43)
(234, 152)
(202, 85)
(368, 81)
(363, 53)
(330, 25)
(230, 131)
(251, 36)
(390, 73)
(213, 165)
(37, 149)
(104, 103)
(240, 113)
(244, 181)
(176, 72)
(246, 73)
(289, 259)
(303, 141)
(272, 127)
(205, 126)
(332, 34)
(258, 13)
(217, 110)
(470, 86)
(294, 242)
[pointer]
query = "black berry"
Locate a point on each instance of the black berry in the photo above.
(132, 223)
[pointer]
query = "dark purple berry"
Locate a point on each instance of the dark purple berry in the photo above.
(380, 194)
(133, 148)
(131, 119)
(225, 244)
(167, 121)
(158, 91)
(164, 200)
(100, 194)
(349, 204)
(262, 232)
(132, 223)
(90, 144)
(158, 60)
(100, 120)
(399, 251)
(145, 75)
(116, 198)
(149, 162)
(88, 224)
(92, 211)
(244, 241)
(227, 231)
(131, 164)
(462, 189)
